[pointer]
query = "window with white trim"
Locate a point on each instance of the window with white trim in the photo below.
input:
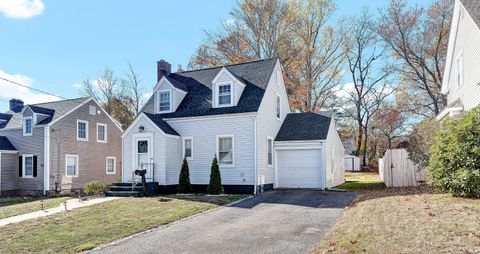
(225, 150)
(27, 126)
(27, 166)
(111, 165)
(92, 110)
(188, 148)
(333, 158)
(71, 165)
(279, 77)
(164, 98)
(278, 107)
(269, 151)
(101, 132)
(225, 94)
(459, 70)
(82, 130)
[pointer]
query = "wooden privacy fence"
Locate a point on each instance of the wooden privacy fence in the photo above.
(397, 170)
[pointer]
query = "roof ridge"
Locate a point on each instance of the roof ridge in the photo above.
(42, 103)
(227, 65)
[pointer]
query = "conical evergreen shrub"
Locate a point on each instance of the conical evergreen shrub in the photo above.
(184, 185)
(215, 186)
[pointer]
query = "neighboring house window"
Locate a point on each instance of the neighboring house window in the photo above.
(278, 107)
(225, 94)
(82, 130)
(269, 151)
(111, 165)
(27, 166)
(188, 148)
(71, 165)
(333, 158)
(225, 150)
(459, 70)
(164, 101)
(27, 126)
(101, 132)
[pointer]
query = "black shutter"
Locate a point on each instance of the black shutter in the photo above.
(34, 166)
(20, 164)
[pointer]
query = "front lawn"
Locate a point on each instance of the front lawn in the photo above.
(84, 228)
(19, 205)
(358, 181)
(406, 220)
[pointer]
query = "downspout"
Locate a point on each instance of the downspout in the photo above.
(46, 159)
(255, 153)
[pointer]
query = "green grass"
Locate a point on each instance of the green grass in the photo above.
(85, 228)
(16, 206)
(360, 181)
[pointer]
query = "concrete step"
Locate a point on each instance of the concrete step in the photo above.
(124, 194)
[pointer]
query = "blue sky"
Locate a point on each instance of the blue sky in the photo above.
(53, 45)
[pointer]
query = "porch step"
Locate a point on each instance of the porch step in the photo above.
(125, 190)
(124, 194)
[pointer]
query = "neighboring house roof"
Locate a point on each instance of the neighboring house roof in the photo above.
(157, 119)
(473, 9)
(55, 109)
(198, 101)
(5, 144)
(305, 126)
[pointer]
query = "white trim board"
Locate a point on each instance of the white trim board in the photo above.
(142, 114)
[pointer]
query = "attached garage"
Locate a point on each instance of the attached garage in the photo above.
(308, 152)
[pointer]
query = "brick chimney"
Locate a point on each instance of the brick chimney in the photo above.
(163, 69)
(16, 105)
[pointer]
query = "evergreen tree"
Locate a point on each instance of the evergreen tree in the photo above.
(215, 186)
(184, 185)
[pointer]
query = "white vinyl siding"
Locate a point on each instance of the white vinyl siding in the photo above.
(82, 130)
(27, 166)
(27, 126)
(111, 165)
(101, 133)
(71, 165)
(334, 154)
(225, 150)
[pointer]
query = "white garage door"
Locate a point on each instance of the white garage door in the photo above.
(300, 169)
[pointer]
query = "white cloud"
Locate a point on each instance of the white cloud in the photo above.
(147, 96)
(10, 90)
(345, 91)
(21, 9)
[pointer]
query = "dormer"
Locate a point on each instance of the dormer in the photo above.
(227, 88)
(169, 93)
(34, 115)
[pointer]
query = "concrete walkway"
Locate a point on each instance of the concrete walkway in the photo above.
(71, 204)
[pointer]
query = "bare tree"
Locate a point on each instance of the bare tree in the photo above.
(132, 84)
(419, 39)
(370, 73)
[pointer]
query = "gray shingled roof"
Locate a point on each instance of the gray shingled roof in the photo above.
(58, 108)
(198, 101)
(5, 144)
(305, 126)
(473, 9)
(157, 119)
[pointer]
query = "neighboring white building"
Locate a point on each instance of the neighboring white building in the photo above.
(239, 113)
(461, 78)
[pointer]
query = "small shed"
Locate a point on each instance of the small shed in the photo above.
(352, 163)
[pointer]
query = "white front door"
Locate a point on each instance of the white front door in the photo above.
(142, 155)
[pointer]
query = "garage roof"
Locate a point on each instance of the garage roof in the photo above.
(305, 126)
(5, 144)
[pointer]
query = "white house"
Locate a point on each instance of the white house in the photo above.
(239, 113)
(461, 78)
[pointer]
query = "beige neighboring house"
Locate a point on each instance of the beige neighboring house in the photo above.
(57, 147)
(461, 78)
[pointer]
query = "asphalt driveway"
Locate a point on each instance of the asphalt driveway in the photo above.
(284, 221)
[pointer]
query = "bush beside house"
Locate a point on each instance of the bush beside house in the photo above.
(95, 188)
(184, 185)
(454, 165)
(215, 185)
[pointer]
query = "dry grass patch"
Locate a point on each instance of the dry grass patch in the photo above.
(358, 181)
(406, 220)
(84, 228)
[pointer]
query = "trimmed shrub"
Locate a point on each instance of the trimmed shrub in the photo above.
(454, 165)
(215, 185)
(95, 188)
(184, 185)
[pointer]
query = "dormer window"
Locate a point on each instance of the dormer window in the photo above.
(225, 94)
(164, 101)
(27, 126)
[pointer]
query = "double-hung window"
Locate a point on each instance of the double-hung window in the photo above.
(269, 151)
(71, 165)
(82, 130)
(225, 94)
(101, 133)
(27, 166)
(278, 107)
(459, 70)
(164, 101)
(111, 167)
(188, 148)
(27, 126)
(225, 150)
